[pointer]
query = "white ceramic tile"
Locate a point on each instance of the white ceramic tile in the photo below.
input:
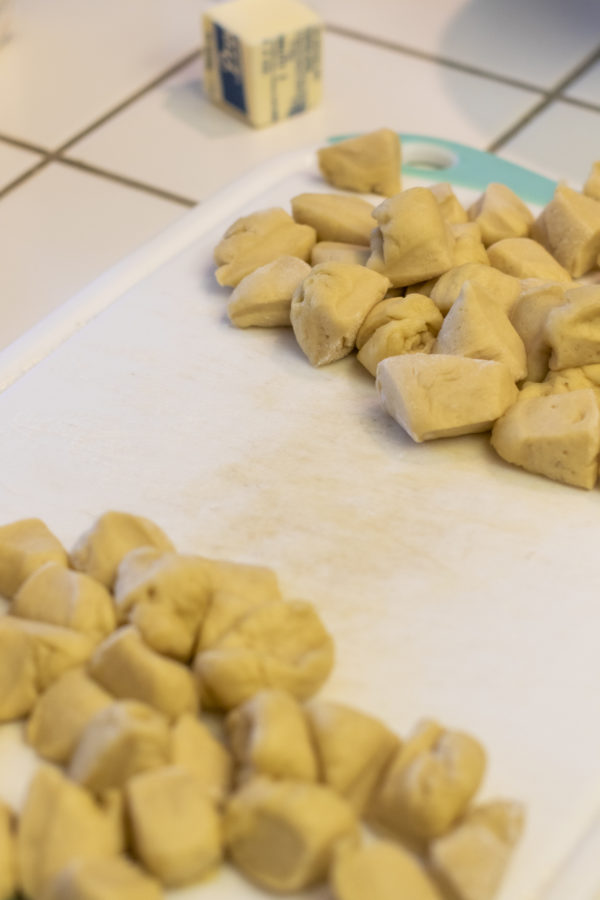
(561, 142)
(15, 162)
(60, 230)
(68, 62)
(587, 87)
(537, 41)
(174, 138)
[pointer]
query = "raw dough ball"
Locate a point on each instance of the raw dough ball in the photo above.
(225, 610)
(500, 214)
(59, 596)
(434, 396)
(335, 217)
(129, 669)
(195, 748)
(263, 298)
(269, 735)
(120, 741)
(381, 871)
(369, 164)
(102, 879)
(569, 228)
(572, 329)
(413, 329)
(330, 306)
(278, 645)
(399, 309)
(502, 289)
(283, 835)
(99, 550)
(257, 239)
(337, 251)
(24, 547)
(525, 258)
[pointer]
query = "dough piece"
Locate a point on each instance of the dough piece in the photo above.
(591, 187)
(99, 550)
(278, 645)
(283, 835)
(500, 214)
(569, 228)
(129, 669)
(254, 240)
(60, 822)
(369, 164)
(450, 206)
(528, 316)
(557, 436)
(59, 596)
(225, 611)
(18, 672)
(165, 595)
(194, 747)
(175, 828)
(525, 258)
(249, 582)
(430, 783)
(400, 309)
(468, 246)
(477, 327)
(116, 878)
(336, 251)
(269, 735)
(121, 740)
(26, 545)
(471, 860)
(503, 289)
(336, 217)
(413, 242)
(8, 854)
(263, 298)
(434, 396)
(575, 378)
(573, 329)
(403, 334)
(61, 714)
(352, 748)
(381, 871)
(330, 306)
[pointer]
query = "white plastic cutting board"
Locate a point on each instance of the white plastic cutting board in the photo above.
(455, 586)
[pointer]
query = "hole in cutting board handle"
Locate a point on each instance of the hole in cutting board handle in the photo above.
(428, 157)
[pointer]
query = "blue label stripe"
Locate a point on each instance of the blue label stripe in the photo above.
(229, 61)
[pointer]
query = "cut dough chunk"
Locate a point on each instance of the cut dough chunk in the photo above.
(569, 228)
(573, 329)
(59, 596)
(283, 835)
(336, 251)
(99, 550)
(400, 309)
(60, 822)
(263, 298)
(434, 396)
(468, 246)
(369, 164)
(121, 740)
(381, 871)
(175, 828)
(26, 545)
(471, 860)
(528, 316)
(557, 436)
(591, 187)
(248, 582)
(477, 327)
(503, 289)
(254, 240)
(195, 748)
(450, 206)
(116, 878)
(500, 214)
(576, 378)
(352, 747)
(413, 242)
(278, 645)
(330, 306)
(8, 854)
(165, 595)
(525, 258)
(430, 782)
(269, 735)
(225, 611)
(62, 712)
(412, 328)
(335, 217)
(129, 669)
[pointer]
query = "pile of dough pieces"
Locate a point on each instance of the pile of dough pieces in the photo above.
(470, 319)
(170, 700)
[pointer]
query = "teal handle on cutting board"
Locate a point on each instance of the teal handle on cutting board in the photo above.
(467, 167)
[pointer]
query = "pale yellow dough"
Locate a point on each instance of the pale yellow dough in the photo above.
(435, 396)
(468, 246)
(572, 329)
(381, 871)
(368, 164)
(500, 214)
(26, 545)
(116, 878)
(336, 251)
(503, 289)
(335, 217)
(591, 188)
(195, 748)
(263, 298)
(413, 307)
(450, 206)
(8, 854)
(526, 258)
(528, 316)
(569, 228)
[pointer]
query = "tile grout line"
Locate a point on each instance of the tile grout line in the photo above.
(126, 181)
